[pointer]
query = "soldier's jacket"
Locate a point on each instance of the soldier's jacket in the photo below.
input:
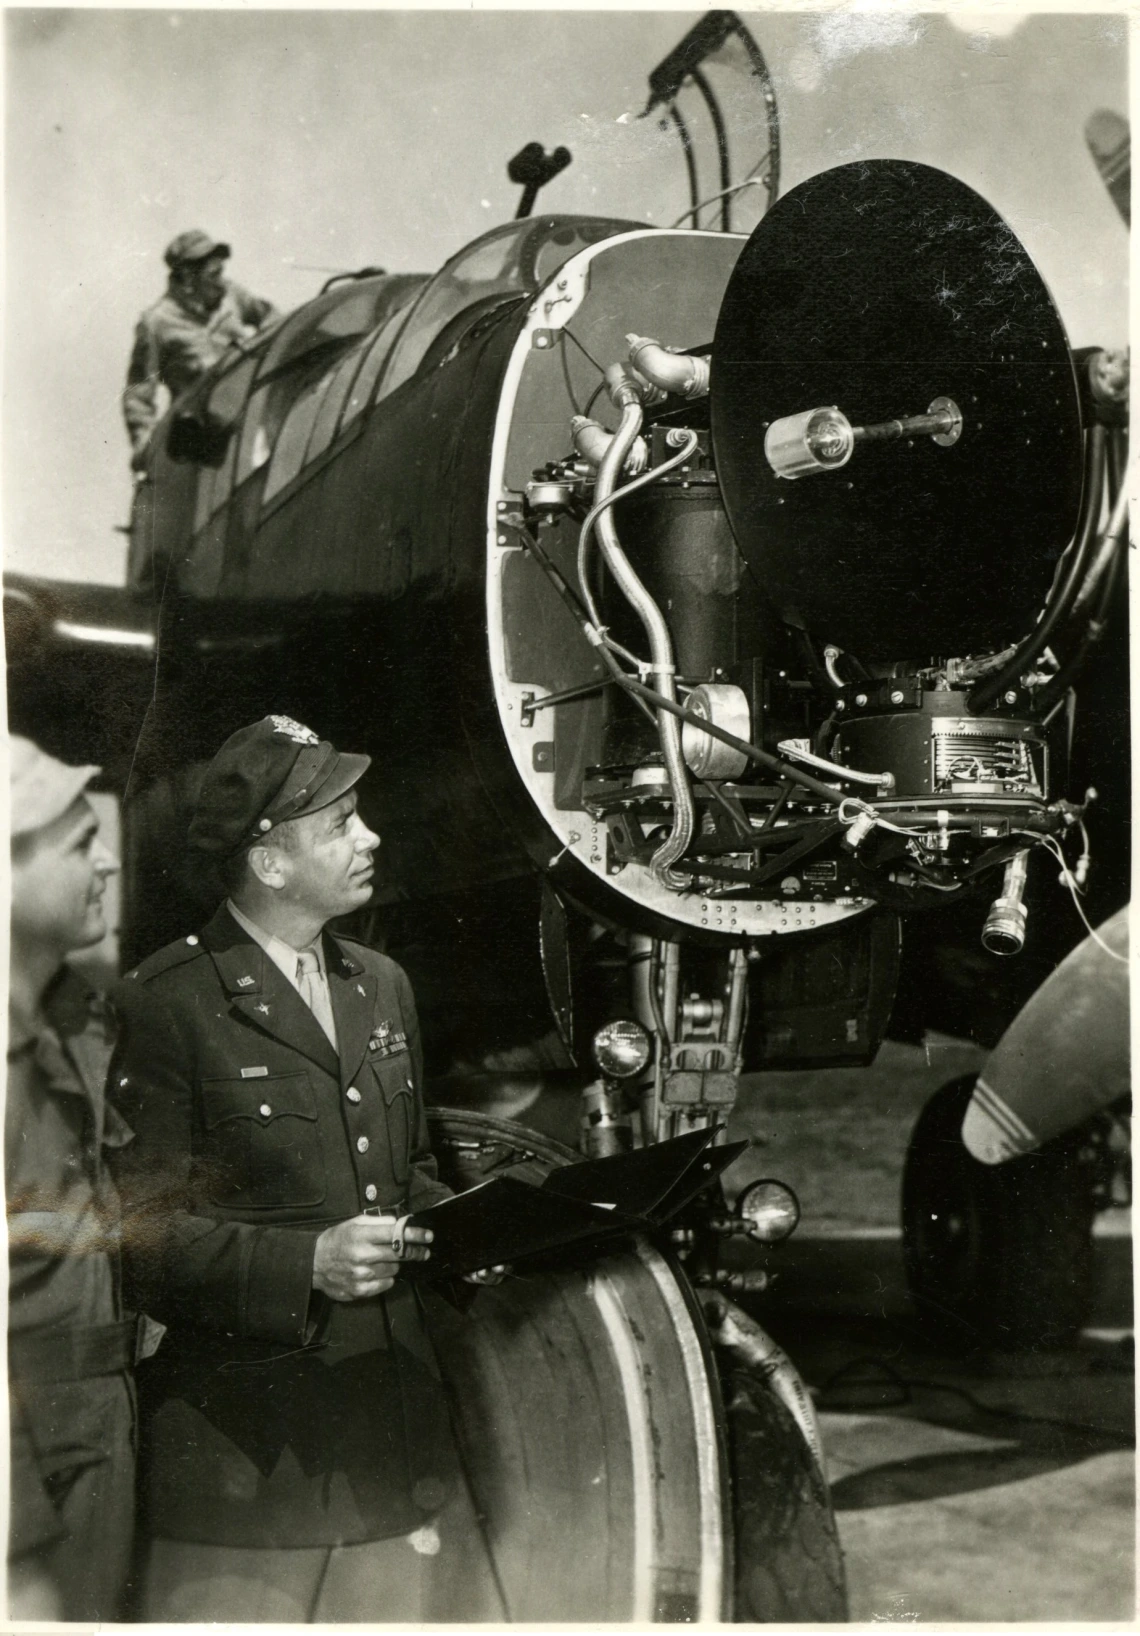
(63, 1252)
(275, 1416)
(176, 342)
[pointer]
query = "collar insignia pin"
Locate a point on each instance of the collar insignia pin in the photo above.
(264, 1008)
(245, 982)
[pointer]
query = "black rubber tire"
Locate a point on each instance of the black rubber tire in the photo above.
(997, 1256)
(789, 1563)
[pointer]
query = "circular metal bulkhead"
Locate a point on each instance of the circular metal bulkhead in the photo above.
(879, 288)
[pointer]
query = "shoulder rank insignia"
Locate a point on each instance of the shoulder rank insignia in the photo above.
(263, 1007)
(288, 728)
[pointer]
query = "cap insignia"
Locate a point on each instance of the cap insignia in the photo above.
(290, 729)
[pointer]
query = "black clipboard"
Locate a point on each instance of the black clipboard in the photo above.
(508, 1221)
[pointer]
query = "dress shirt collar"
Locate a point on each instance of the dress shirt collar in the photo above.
(284, 957)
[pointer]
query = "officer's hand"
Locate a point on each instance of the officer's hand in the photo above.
(355, 1259)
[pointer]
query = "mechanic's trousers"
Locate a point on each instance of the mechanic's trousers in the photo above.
(72, 1491)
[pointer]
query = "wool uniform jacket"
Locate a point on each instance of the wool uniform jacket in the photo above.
(273, 1416)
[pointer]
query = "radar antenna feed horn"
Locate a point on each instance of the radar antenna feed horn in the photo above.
(824, 439)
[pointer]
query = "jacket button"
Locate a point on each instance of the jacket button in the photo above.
(370, 1192)
(362, 1144)
(265, 1110)
(352, 1094)
(192, 940)
(409, 1084)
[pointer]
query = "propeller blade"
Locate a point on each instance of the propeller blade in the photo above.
(1110, 143)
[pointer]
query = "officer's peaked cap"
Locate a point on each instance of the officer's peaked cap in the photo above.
(193, 245)
(264, 775)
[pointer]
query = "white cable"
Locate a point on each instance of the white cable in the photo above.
(870, 812)
(791, 752)
(1066, 875)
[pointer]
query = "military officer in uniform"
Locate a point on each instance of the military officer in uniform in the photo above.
(70, 1344)
(297, 1452)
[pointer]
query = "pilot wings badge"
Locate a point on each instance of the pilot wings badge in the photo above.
(288, 728)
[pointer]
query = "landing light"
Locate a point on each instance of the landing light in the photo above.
(770, 1209)
(622, 1049)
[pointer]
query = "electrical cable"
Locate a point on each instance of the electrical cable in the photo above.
(906, 1385)
(1059, 603)
(1053, 847)
(763, 758)
(1053, 695)
(573, 603)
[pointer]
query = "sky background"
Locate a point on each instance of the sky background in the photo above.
(321, 141)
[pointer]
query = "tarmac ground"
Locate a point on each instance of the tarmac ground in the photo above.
(977, 1489)
(985, 1489)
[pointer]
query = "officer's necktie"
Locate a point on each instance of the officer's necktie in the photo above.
(313, 986)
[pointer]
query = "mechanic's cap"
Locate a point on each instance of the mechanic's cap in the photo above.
(264, 775)
(41, 787)
(193, 245)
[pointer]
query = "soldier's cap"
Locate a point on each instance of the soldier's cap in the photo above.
(264, 775)
(193, 245)
(41, 787)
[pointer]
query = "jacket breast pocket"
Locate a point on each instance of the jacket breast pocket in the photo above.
(394, 1077)
(263, 1143)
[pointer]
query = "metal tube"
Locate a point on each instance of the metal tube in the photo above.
(671, 987)
(737, 991)
(672, 371)
(938, 422)
(625, 396)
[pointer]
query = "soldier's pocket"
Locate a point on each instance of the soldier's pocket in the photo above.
(263, 1143)
(394, 1077)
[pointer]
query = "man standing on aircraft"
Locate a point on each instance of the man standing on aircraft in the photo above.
(70, 1346)
(299, 1444)
(186, 331)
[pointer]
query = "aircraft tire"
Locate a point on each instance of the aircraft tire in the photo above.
(789, 1563)
(782, 1559)
(997, 1256)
